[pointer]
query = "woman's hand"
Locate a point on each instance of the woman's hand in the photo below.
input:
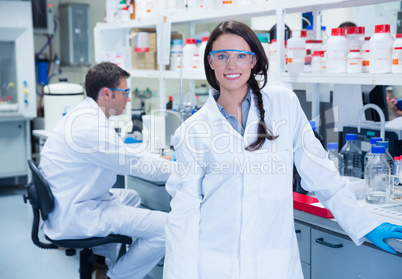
(383, 231)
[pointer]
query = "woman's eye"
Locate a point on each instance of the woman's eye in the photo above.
(241, 55)
(221, 56)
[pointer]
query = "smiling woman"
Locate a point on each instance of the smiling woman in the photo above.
(232, 213)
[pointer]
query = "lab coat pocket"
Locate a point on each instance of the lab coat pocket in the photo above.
(279, 263)
(214, 265)
(276, 176)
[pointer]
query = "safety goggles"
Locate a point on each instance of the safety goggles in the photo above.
(126, 92)
(221, 57)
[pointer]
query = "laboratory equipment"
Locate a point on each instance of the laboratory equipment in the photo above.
(350, 157)
(377, 175)
(381, 50)
(59, 99)
(74, 25)
(354, 62)
(333, 155)
(42, 15)
(337, 51)
(17, 87)
(397, 55)
(297, 51)
(368, 155)
(388, 157)
(366, 55)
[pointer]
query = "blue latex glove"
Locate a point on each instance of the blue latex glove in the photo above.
(385, 230)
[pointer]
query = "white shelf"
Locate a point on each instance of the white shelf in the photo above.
(293, 6)
(220, 14)
(361, 78)
(194, 75)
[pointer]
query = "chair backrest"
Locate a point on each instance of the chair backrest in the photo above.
(39, 192)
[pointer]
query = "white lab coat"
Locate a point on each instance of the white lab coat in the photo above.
(232, 210)
(80, 161)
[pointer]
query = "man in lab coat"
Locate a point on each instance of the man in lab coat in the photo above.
(81, 159)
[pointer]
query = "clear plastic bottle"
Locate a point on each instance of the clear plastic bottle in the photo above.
(189, 50)
(297, 51)
(366, 55)
(310, 32)
(397, 55)
(337, 51)
(333, 155)
(175, 50)
(350, 157)
(387, 155)
(324, 35)
(381, 50)
(368, 155)
(377, 177)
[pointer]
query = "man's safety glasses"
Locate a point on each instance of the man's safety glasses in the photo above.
(240, 57)
(126, 92)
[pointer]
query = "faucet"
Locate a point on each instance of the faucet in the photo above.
(380, 113)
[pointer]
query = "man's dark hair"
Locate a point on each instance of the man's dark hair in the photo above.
(104, 74)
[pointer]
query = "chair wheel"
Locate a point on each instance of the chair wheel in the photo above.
(71, 252)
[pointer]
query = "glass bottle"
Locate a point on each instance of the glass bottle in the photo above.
(377, 177)
(350, 157)
(333, 155)
(368, 155)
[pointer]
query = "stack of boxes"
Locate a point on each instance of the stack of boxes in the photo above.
(143, 48)
(143, 45)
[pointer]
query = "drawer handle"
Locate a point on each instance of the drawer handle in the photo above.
(297, 231)
(321, 241)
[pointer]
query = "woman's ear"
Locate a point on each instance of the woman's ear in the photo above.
(255, 59)
(210, 62)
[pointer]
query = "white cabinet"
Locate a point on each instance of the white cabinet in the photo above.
(335, 257)
(14, 148)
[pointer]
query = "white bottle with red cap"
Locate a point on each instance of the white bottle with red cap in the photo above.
(189, 51)
(366, 55)
(354, 61)
(397, 55)
(272, 56)
(355, 37)
(337, 51)
(201, 52)
(297, 51)
(381, 50)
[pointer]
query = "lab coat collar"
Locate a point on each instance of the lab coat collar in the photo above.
(214, 114)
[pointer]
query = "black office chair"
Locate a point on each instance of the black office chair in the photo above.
(42, 201)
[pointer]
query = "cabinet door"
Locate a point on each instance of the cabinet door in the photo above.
(13, 149)
(303, 241)
(333, 257)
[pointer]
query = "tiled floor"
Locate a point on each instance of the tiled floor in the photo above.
(19, 257)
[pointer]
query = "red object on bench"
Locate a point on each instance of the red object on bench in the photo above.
(306, 204)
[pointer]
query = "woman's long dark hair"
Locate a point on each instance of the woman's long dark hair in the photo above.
(261, 68)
